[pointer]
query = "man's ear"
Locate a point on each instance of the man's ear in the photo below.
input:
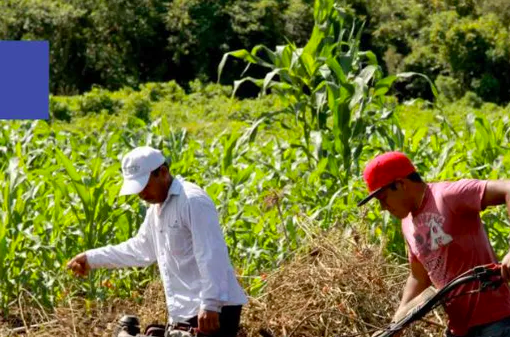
(165, 170)
(400, 184)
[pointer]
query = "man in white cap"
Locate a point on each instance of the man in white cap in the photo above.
(181, 232)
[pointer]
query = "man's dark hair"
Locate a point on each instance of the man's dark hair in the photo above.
(156, 171)
(414, 177)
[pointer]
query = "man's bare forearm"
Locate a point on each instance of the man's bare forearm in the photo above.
(412, 289)
(417, 282)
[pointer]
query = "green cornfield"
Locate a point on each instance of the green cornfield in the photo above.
(288, 161)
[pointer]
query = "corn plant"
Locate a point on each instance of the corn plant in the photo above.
(334, 91)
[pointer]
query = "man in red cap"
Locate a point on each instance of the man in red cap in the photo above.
(445, 237)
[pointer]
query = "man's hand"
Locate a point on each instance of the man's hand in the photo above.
(208, 321)
(505, 268)
(399, 314)
(79, 265)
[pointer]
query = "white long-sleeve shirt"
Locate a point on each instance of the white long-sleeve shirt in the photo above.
(184, 236)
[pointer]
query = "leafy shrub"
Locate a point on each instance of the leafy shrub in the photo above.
(163, 91)
(463, 39)
(59, 109)
(139, 105)
(487, 87)
(119, 43)
(298, 21)
(210, 90)
(201, 31)
(109, 43)
(501, 8)
(471, 99)
(448, 87)
(98, 100)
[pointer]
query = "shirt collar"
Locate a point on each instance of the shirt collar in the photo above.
(175, 188)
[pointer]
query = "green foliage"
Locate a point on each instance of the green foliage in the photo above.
(501, 8)
(194, 38)
(98, 101)
(209, 90)
(59, 109)
(298, 20)
(335, 92)
(475, 52)
(277, 167)
(163, 91)
(203, 27)
(448, 87)
(120, 43)
(471, 99)
(60, 182)
(138, 105)
(466, 40)
(135, 103)
(110, 43)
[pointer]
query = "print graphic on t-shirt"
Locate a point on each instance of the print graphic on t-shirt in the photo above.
(429, 235)
(438, 237)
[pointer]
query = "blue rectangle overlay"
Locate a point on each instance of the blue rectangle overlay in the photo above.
(24, 79)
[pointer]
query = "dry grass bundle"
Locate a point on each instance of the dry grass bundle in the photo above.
(338, 285)
(83, 318)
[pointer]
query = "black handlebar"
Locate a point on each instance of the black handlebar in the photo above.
(489, 276)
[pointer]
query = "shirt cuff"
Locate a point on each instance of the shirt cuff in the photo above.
(94, 258)
(89, 254)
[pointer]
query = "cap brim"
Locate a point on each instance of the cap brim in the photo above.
(369, 197)
(135, 185)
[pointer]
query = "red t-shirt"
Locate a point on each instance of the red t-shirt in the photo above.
(447, 237)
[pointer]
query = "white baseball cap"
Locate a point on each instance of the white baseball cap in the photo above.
(137, 166)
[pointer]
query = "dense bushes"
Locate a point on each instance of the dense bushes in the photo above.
(459, 39)
(120, 43)
(111, 43)
(201, 31)
(126, 101)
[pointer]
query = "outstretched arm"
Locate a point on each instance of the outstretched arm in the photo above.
(135, 252)
(497, 192)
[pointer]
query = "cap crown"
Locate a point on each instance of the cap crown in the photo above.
(141, 161)
(386, 168)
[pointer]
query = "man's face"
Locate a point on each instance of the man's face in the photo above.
(395, 200)
(155, 192)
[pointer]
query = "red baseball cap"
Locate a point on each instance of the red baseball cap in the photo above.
(383, 170)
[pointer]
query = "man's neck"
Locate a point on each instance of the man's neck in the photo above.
(167, 189)
(421, 189)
